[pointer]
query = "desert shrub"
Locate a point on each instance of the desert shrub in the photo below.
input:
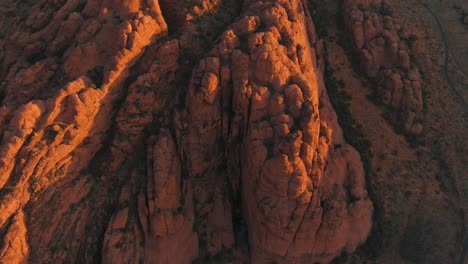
(411, 40)
(321, 20)
(354, 135)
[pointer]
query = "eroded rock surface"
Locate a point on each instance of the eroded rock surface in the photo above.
(126, 143)
(385, 48)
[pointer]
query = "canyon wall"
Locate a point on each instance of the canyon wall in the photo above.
(173, 132)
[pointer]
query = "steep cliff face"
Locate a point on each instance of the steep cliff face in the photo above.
(164, 132)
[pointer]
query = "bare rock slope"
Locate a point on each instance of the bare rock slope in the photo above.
(172, 132)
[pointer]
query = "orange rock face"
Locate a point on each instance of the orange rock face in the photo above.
(123, 143)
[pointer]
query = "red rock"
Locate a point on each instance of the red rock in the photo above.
(15, 249)
(380, 48)
(404, 59)
(129, 143)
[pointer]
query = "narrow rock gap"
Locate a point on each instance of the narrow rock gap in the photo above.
(173, 18)
(2, 96)
(374, 243)
(15, 177)
(5, 227)
(105, 216)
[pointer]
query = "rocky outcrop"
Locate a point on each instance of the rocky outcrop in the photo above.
(385, 49)
(62, 73)
(163, 217)
(277, 137)
(15, 247)
(123, 145)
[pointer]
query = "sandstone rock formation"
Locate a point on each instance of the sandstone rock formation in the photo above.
(124, 139)
(385, 49)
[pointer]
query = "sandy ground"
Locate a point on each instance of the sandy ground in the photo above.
(452, 33)
(448, 12)
(449, 15)
(447, 120)
(420, 220)
(421, 192)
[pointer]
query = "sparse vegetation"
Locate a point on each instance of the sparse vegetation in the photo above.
(411, 40)
(321, 19)
(340, 101)
(354, 135)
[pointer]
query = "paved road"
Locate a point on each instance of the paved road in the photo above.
(453, 89)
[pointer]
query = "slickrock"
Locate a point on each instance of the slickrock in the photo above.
(55, 109)
(15, 246)
(385, 50)
(294, 208)
(126, 139)
(165, 216)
